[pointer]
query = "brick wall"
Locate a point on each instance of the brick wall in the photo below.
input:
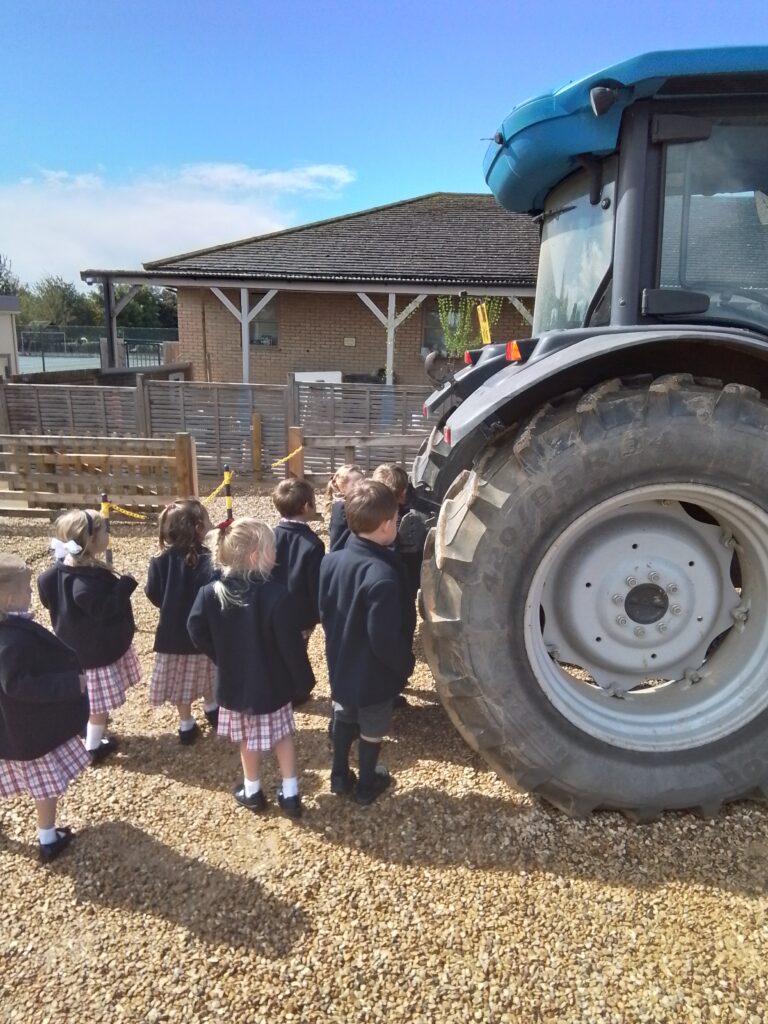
(312, 329)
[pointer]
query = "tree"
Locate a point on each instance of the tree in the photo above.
(149, 307)
(9, 282)
(57, 301)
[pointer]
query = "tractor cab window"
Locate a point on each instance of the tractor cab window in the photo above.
(576, 248)
(715, 220)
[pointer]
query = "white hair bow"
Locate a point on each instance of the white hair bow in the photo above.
(61, 549)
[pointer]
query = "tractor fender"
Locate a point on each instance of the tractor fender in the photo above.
(581, 362)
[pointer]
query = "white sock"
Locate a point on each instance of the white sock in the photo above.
(186, 724)
(209, 706)
(251, 786)
(93, 736)
(47, 835)
(290, 787)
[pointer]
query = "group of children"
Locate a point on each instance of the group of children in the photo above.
(233, 628)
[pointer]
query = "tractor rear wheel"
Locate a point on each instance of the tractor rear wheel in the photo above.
(596, 596)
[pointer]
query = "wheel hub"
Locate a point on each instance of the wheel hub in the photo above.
(646, 603)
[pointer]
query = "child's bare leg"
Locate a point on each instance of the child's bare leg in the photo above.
(251, 761)
(46, 813)
(285, 752)
(97, 724)
(185, 712)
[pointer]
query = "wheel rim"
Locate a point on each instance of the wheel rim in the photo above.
(625, 608)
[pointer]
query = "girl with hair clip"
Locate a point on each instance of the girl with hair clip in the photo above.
(90, 609)
(181, 674)
(339, 486)
(245, 622)
(43, 708)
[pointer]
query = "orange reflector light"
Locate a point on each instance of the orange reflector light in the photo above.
(514, 355)
(447, 435)
(468, 358)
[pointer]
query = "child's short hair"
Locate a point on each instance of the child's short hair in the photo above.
(12, 571)
(180, 527)
(393, 476)
(369, 505)
(342, 473)
(291, 496)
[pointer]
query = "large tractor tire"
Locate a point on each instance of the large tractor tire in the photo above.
(596, 595)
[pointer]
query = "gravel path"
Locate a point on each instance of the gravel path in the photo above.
(453, 899)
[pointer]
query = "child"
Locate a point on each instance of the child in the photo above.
(245, 623)
(299, 552)
(90, 609)
(411, 525)
(340, 484)
(181, 674)
(369, 623)
(43, 708)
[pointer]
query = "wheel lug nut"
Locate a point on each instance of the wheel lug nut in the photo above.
(631, 581)
(621, 620)
(639, 631)
(617, 599)
(662, 627)
(672, 588)
(653, 576)
(675, 609)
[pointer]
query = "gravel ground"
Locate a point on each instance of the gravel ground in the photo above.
(452, 899)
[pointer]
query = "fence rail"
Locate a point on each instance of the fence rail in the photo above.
(221, 416)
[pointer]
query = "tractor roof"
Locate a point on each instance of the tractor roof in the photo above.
(540, 142)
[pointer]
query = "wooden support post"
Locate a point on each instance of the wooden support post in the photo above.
(349, 454)
(256, 445)
(186, 466)
(141, 407)
(295, 466)
(5, 420)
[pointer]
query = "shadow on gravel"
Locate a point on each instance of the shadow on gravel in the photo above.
(425, 827)
(117, 865)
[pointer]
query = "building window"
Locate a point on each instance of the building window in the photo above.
(432, 339)
(264, 328)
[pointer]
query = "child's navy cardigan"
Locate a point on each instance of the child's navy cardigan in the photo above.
(41, 705)
(90, 611)
(299, 555)
(369, 618)
(172, 586)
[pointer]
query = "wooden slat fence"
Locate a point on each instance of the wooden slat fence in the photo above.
(72, 410)
(45, 472)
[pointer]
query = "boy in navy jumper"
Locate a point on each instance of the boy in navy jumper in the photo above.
(369, 621)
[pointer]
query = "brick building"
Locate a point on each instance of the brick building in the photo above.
(355, 294)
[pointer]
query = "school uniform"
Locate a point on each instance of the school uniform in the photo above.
(338, 530)
(181, 674)
(42, 711)
(299, 556)
(369, 621)
(261, 662)
(90, 609)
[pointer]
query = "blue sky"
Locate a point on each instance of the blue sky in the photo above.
(134, 131)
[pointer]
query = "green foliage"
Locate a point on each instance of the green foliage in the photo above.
(9, 282)
(149, 307)
(458, 319)
(56, 301)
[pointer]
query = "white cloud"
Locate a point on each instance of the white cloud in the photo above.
(62, 223)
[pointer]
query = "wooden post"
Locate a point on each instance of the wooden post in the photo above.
(295, 466)
(256, 445)
(186, 466)
(349, 454)
(5, 420)
(141, 407)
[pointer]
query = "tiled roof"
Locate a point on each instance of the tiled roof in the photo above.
(443, 238)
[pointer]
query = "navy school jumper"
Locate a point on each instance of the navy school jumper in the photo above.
(369, 620)
(260, 656)
(41, 705)
(299, 555)
(172, 586)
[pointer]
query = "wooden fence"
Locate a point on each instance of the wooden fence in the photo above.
(45, 472)
(221, 418)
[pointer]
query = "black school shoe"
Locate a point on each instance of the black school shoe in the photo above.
(188, 736)
(107, 746)
(212, 718)
(341, 786)
(50, 851)
(290, 805)
(257, 802)
(382, 780)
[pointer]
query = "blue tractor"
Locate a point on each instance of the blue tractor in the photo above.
(595, 591)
